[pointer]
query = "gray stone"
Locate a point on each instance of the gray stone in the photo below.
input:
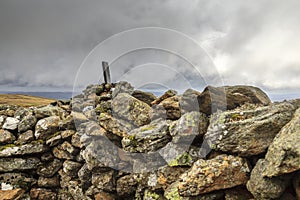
(147, 138)
(122, 87)
(65, 151)
(6, 137)
(17, 180)
(48, 111)
(104, 180)
(25, 137)
(52, 182)
(146, 97)
(26, 149)
(131, 109)
(49, 169)
(28, 122)
(46, 127)
(71, 168)
(11, 123)
(264, 187)
(248, 130)
(19, 164)
(42, 193)
(283, 154)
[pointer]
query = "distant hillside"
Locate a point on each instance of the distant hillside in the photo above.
(24, 100)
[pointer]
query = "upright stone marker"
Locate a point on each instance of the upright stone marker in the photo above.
(106, 72)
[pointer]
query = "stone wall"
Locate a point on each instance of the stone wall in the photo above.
(114, 142)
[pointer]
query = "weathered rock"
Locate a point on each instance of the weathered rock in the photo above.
(8, 110)
(76, 191)
(104, 180)
(42, 194)
(116, 126)
(146, 97)
(189, 101)
(22, 112)
(65, 151)
(131, 109)
(19, 164)
(170, 107)
(283, 155)
(85, 175)
(152, 195)
(6, 137)
(26, 149)
(17, 180)
(71, 168)
(67, 133)
(10, 123)
(167, 94)
(49, 169)
(127, 185)
(46, 127)
(25, 137)
(218, 173)
(52, 182)
(27, 123)
(2, 120)
(122, 87)
(189, 126)
(230, 97)
(54, 140)
(264, 187)
(75, 141)
(48, 111)
(247, 131)
(67, 123)
(147, 138)
(11, 194)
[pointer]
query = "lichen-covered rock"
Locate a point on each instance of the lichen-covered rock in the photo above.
(189, 101)
(52, 182)
(127, 185)
(25, 137)
(147, 138)
(283, 154)
(18, 164)
(12, 194)
(167, 94)
(17, 180)
(131, 109)
(26, 149)
(71, 168)
(116, 126)
(122, 87)
(104, 180)
(189, 126)
(146, 97)
(218, 173)
(42, 194)
(27, 123)
(263, 187)
(230, 97)
(170, 108)
(48, 111)
(49, 169)
(22, 112)
(46, 127)
(247, 131)
(6, 137)
(84, 175)
(11, 123)
(65, 151)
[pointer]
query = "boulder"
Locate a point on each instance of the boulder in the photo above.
(52, 182)
(189, 101)
(46, 127)
(283, 154)
(131, 109)
(230, 97)
(65, 151)
(147, 138)
(11, 123)
(146, 97)
(71, 168)
(248, 130)
(221, 172)
(18, 164)
(169, 108)
(122, 87)
(104, 180)
(48, 111)
(167, 94)
(49, 169)
(26, 149)
(6, 137)
(28, 122)
(25, 137)
(263, 187)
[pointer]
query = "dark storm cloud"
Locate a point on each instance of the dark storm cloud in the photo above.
(43, 43)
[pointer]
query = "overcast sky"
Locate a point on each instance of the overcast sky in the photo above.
(43, 43)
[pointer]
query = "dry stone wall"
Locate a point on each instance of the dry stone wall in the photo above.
(115, 142)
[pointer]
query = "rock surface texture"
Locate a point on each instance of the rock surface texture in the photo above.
(113, 142)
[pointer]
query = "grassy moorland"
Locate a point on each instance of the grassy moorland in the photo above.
(24, 100)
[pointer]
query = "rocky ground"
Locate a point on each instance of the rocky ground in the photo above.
(115, 142)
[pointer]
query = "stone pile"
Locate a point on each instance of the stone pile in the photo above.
(115, 142)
